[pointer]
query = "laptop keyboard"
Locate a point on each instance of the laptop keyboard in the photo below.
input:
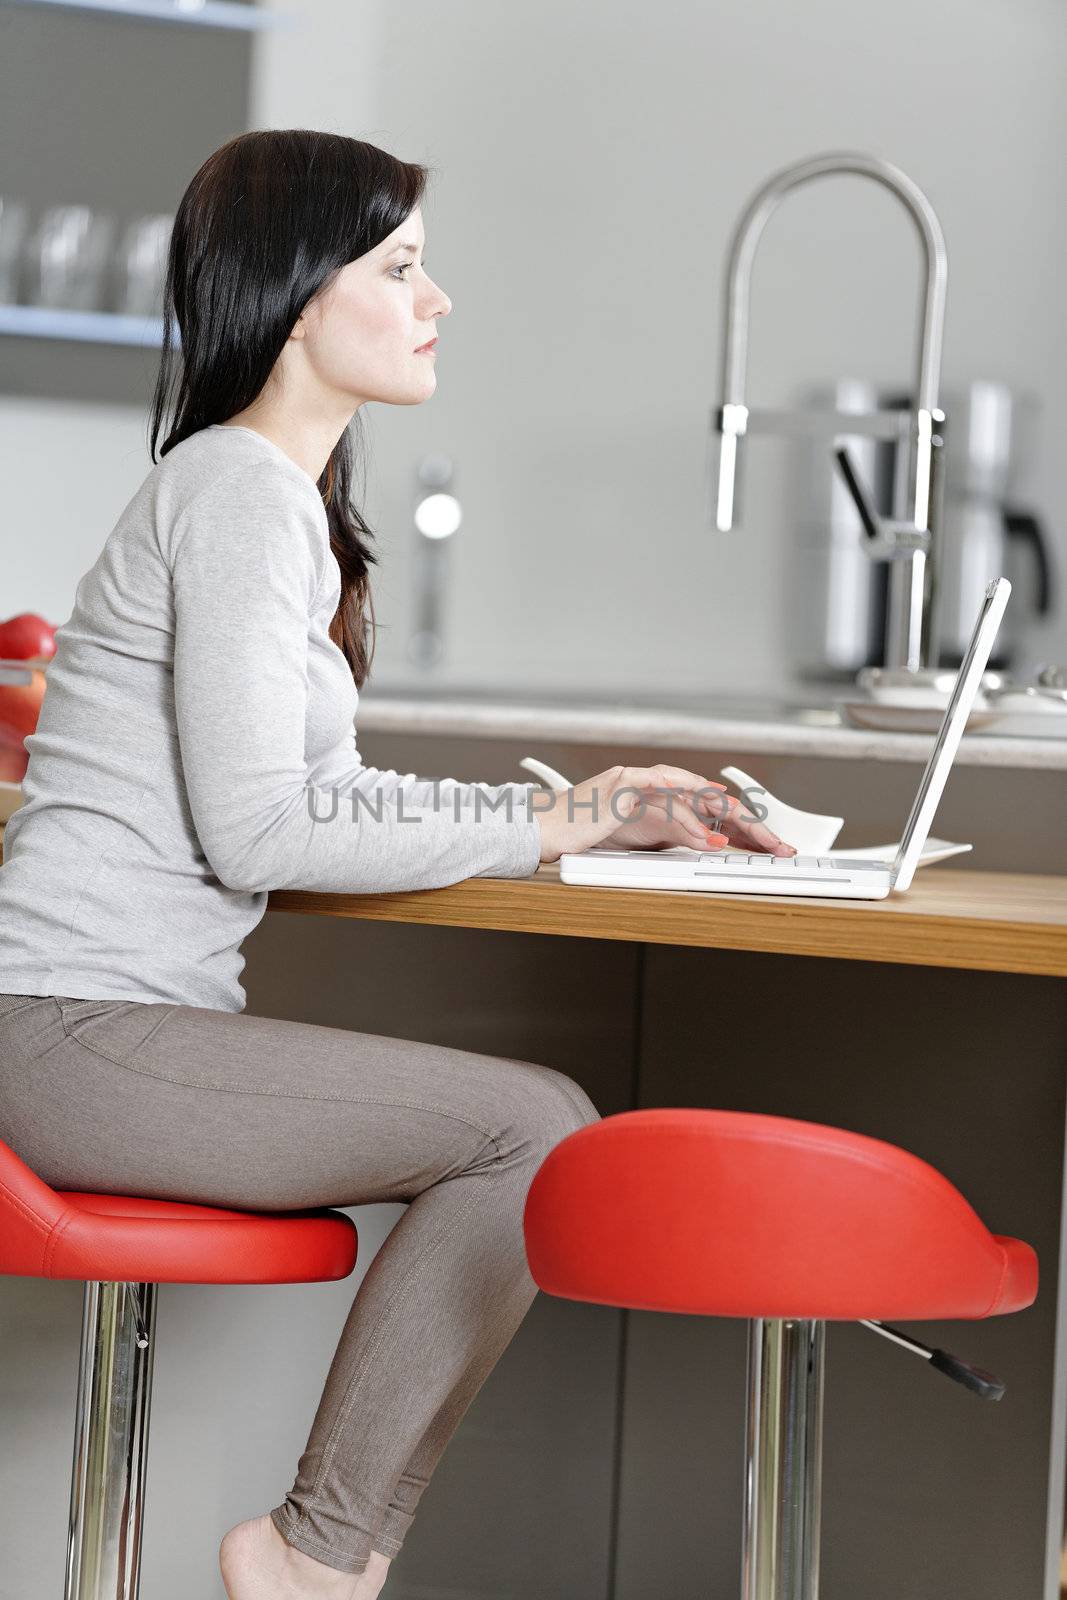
(732, 859)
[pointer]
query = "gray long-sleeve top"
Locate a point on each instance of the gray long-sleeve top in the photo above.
(196, 748)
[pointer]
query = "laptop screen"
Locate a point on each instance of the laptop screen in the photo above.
(950, 733)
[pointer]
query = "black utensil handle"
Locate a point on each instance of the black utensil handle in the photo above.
(1024, 525)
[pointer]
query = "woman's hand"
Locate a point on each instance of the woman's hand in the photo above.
(631, 808)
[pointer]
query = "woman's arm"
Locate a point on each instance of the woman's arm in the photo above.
(248, 556)
(446, 792)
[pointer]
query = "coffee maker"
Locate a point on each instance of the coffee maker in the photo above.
(984, 531)
(838, 623)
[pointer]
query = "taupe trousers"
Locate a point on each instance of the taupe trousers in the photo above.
(222, 1108)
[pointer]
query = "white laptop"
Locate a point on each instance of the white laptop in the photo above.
(738, 872)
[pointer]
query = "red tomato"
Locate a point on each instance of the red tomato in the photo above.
(14, 759)
(20, 705)
(27, 637)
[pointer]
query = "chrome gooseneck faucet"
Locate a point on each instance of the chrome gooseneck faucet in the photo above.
(909, 544)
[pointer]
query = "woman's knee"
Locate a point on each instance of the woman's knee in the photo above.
(549, 1107)
(585, 1111)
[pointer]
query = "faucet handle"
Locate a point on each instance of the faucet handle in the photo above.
(887, 539)
(730, 422)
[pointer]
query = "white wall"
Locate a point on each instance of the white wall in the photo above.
(591, 162)
(68, 470)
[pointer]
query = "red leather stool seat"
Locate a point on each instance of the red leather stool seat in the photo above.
(735, 1214)
(48, 1233)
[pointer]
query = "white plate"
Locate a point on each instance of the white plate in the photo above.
(908, 719)
(933, 850)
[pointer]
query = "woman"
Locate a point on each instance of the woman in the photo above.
(195, 749)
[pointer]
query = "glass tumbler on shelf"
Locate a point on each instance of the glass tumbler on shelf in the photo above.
(14, 225)
(69, 256)
(142, 265)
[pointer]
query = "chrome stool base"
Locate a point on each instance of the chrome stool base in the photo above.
(783, 1460)
(111, 1441)
(783, 1445)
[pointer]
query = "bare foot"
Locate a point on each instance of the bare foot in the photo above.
(258, 1564)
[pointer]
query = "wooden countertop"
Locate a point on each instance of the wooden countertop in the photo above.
(990, 921)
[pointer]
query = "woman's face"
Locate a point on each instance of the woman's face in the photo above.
(361, 336)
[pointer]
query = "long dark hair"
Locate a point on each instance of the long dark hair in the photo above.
(264, 225)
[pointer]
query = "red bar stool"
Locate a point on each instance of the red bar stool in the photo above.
(121, 1248)
(788, 1224)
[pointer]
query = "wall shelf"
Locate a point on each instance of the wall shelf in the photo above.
(97, 327)
(196, 13)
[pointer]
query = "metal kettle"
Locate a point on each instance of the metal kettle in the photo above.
(984, 533)
(841, 599)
